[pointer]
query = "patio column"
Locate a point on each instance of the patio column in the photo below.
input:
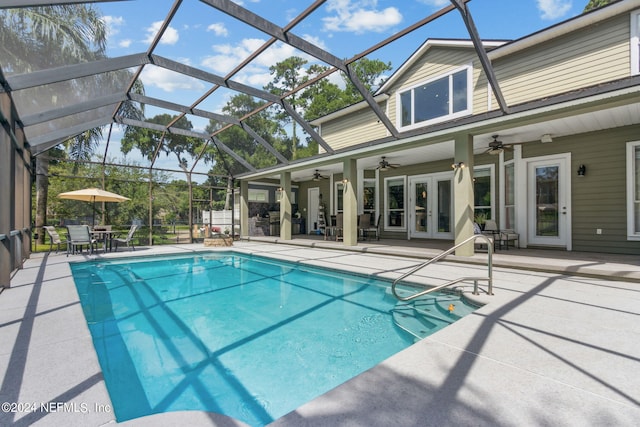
(350, 202)
(244, 208)
(285, 206)
(463, 191)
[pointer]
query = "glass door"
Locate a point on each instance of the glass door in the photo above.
(548, 209)
(430, 206)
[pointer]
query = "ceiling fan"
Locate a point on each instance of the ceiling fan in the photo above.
(496, 147)
(385, 165)
(317, 176)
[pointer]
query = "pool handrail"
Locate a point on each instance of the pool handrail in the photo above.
(489, 278)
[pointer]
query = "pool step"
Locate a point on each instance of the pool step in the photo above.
(426, 315)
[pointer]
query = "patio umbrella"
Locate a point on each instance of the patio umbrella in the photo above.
(93, 195)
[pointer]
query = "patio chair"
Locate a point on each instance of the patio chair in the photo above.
(372, 228)
(77, 237)
(509, 235)
(128, 239)
(491, 230)
(364, 222)
(339, 227)
(103, 233)
(54, 237)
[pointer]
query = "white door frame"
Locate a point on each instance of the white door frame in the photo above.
(431, 217)
(563, 239)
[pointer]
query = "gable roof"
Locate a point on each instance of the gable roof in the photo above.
(430, 44)
(496, 48)
(381, 95)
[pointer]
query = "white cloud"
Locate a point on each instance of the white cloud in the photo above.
(218, 29)
(241, 3)
(436, 3)
(113, 24)
(168, 80)
(170, 35)
(228, 56)
(359, 16)
(125, 43)
(553, 9)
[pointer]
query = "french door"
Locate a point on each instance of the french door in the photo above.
(548, 202)
(431, 206)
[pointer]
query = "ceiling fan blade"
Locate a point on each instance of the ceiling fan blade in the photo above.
(384, 164)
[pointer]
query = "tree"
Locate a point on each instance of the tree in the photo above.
(594, 4)
(288, 75)
(150, 142)
(369, 72)
(242, 143)
(323, 97)
(43, 37)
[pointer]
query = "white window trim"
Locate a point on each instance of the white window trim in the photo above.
(256, 191)
(279, 196)
(631, 191)
(492, 185)
(635, 42)
(336, 191)
(502, 193)
(375, 194)
(386, 203)
(465, 112)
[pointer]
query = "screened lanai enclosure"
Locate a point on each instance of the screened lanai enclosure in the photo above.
(176, 119)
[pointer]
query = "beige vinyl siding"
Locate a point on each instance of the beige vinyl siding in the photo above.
(585, 58)
(481, 89)
(437, 62)
(352, 129)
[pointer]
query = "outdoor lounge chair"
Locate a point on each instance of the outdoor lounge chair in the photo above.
(78, 236)
(128, 240)
(54, 237)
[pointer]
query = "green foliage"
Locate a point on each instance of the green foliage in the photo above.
(594, 4)
(241, 142)
(369, 72)
(41, 37)
(149, 141)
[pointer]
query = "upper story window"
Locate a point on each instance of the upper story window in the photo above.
(442, 98)
(635, 42)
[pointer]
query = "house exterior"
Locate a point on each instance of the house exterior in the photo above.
(564, 168)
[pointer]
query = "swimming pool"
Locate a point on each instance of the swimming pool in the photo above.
(245, 336)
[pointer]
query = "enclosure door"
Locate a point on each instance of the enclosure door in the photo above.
(548, 213)
(431, 206)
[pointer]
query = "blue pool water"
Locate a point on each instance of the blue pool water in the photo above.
(245, 336)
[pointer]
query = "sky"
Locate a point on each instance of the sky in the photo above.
(203, 37)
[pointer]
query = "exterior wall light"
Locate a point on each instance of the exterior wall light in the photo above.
(582, 169)
(459, 165)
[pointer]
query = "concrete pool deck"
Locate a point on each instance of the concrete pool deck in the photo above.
(558, 344)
